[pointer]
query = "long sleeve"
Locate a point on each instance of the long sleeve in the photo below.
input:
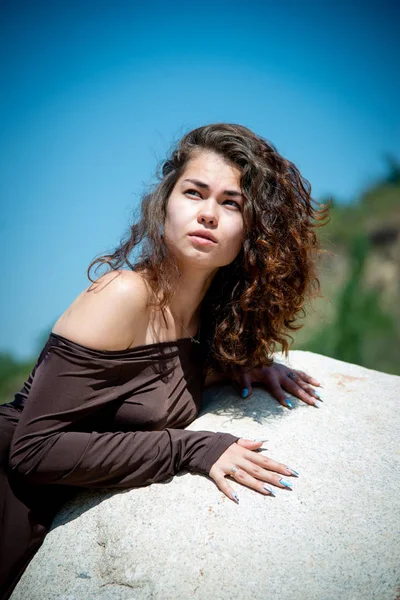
(62, 435)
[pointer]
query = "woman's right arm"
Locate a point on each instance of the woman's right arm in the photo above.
(56, 441)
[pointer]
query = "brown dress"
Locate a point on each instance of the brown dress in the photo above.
(95, 419)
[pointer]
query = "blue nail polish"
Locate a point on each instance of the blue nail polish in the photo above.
(290, 405)
(245, 393)
(318, 396)
(235, 497)
(268, 489)
(285, 483)
(295, 473)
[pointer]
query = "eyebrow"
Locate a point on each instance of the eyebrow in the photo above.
(201, 184)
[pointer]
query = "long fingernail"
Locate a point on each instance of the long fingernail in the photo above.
(268, 489)
(288, 403)
(318, 396)
(253, 440)
(316, 403)
(295, 473)
(235, 497)
(244, 393)
(285, 483)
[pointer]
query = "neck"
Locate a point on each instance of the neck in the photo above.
(185, 305)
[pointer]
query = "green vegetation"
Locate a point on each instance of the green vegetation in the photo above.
(13, 373)
(362, 331)
(12, 376)
(358, 319)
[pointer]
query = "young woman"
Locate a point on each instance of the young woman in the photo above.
(226, 260)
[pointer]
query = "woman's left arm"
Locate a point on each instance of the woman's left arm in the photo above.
(278, 379)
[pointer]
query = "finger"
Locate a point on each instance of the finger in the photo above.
(224, 486)
(259, 479)
(246, 443)
(298, 391)
(245, 385)
(307, 388)
(267, 464)
(312, 392)
(308, 378)
(277, 391)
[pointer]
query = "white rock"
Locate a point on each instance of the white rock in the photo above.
(335, 535)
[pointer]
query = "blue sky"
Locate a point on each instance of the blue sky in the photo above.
(94, 93)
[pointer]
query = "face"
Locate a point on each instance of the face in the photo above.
(211, 203)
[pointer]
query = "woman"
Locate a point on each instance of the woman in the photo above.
(227, 259)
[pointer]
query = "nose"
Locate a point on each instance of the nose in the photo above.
(208, 213)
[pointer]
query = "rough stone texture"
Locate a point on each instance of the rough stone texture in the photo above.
(336, 535)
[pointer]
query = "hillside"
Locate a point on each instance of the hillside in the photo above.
(358, 320)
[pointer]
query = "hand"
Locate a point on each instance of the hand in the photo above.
(253, 470)
(277, 381)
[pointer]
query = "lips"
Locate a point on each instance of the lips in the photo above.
(204, 234)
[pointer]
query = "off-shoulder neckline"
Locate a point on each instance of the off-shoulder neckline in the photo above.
(125, 351)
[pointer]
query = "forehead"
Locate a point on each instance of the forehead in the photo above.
(213, 168)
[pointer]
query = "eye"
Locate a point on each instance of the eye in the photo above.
(234, 202)
(191, 192)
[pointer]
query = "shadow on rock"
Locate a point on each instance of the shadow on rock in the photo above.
(259, 407)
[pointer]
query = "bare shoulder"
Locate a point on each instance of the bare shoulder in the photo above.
(111, 314)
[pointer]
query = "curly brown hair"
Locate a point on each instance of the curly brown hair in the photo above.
(252, 304)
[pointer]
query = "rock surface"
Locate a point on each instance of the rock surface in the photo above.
(335, 535)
